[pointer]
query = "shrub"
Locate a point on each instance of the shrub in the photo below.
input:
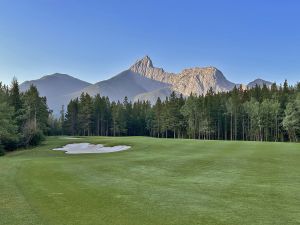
(37, 138)
(10, 143)
(2, 152)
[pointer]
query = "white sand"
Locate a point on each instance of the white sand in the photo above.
(83, 148)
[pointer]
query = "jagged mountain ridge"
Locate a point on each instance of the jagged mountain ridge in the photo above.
(194, 80)
(142, 81)
(145, 67)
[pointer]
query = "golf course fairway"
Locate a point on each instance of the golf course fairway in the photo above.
(156, 181)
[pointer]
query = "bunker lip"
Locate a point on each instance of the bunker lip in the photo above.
(87, 148)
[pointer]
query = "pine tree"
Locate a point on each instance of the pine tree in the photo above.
(15, 97)
(291, 121)
(71, 123)
(62, 119)
(85, 114)
(157, 117)
(8, 129)
(190, 111)
(98, 114)
(252, 114)
(36, 117)
(15, 101)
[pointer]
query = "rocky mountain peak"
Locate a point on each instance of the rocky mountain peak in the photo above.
(197, 80)
(143, 63)
(145, 68)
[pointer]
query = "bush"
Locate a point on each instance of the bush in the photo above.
(2, 152)
(10, 143)
(31, 135)
(37, 138)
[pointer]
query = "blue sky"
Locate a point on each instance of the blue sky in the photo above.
(94, 40)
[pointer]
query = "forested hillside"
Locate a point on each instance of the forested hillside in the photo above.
(256, 114)
(23, 117)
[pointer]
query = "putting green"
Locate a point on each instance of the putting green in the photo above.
(157, 182)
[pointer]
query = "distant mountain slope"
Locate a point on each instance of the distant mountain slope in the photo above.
(152, 96)
(124, 84)
(55, 84)
(259, 82)
(56, 87)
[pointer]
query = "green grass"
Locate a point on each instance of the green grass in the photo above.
(157, 182)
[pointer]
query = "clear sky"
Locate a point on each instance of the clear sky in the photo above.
(94, 40)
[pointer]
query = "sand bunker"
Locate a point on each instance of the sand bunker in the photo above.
(85, 148)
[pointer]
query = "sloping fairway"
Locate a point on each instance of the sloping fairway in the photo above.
(156, 182)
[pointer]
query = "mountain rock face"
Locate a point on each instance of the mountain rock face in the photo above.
(145, 68)
(199, 80)
(194, 80)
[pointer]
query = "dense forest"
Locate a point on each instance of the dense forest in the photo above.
(24, 117)
(257, 114)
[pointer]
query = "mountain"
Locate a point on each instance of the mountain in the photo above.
(152, 96)
(141, 81)
(259, 82)
(56, 88)
(145, 67)
(127, 83)
(193, 80)
(144, 82)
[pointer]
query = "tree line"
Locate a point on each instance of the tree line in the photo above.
(256, 114)
(23, 117)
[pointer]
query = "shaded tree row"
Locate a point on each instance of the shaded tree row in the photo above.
(257, 114)
(23, 117)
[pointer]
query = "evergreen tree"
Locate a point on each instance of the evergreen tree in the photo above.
(15, 101)
(85, 114)
(291, 121)
(24, 117)
(190, 111)
(157, 117)
(36, 117)
(71, 118)
(8, 129)
(260, 113)
(62, 119)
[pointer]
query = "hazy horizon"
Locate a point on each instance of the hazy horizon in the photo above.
(95, 40)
